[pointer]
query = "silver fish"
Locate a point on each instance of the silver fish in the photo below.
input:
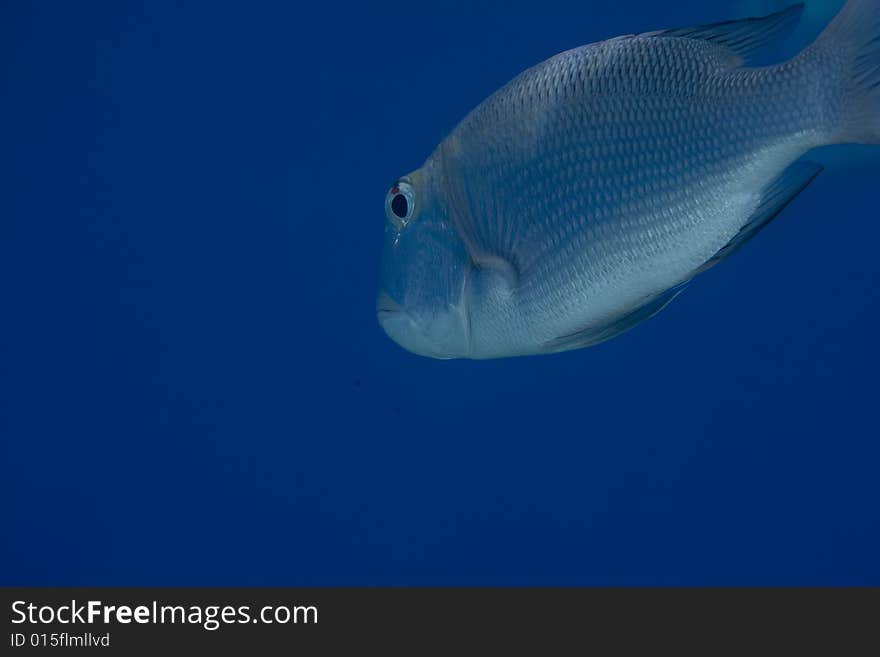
(578, 200)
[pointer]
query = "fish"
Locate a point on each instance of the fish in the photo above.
(577, 201)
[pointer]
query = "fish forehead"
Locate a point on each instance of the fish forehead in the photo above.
(589, 166)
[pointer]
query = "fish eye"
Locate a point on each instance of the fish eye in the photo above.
(400, 204)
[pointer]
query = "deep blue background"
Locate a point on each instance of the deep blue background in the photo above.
(196, 391)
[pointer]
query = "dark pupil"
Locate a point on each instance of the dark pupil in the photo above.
(399, 206)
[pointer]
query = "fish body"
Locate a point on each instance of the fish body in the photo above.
(579, 199)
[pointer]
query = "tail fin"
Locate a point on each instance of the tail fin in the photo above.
(852, 39)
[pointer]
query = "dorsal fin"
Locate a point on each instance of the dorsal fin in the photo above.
(746, 38)
(779, 193)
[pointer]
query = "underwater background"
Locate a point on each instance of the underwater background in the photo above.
(196, 390)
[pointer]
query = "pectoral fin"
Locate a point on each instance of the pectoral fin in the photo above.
(776, 196)
(600, 333)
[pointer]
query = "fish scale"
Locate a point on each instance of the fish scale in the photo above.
(616, 110)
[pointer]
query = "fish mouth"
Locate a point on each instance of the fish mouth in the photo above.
(391, 316)
(386, 306)
(409, 333)
(395, 321)
(400, 327)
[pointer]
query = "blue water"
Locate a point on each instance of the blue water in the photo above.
(196, 391)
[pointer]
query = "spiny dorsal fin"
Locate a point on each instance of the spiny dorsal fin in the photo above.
(747, 37)
(776, 196)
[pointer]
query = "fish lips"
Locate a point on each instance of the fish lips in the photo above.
(403, 329)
